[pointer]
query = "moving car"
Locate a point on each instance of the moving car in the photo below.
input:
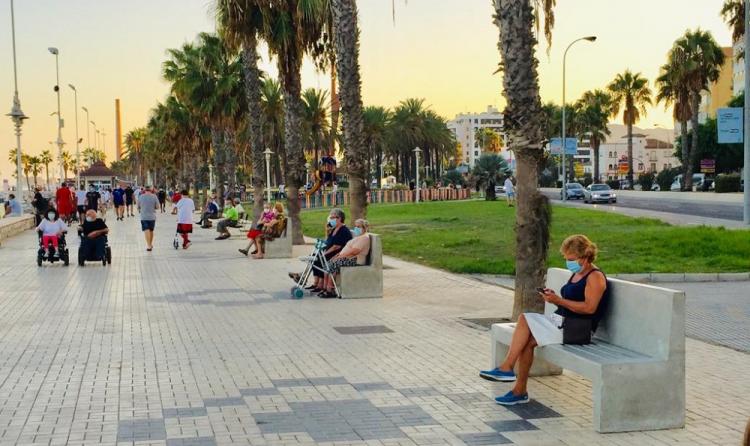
(573, 191)
(599, 193)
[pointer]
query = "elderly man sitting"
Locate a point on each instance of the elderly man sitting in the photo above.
(94, 232)
(229, 221)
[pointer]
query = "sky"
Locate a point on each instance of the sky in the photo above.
(444, 51)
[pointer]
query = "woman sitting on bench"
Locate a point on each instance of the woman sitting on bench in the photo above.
(354, 253)
(265, 225)
(581, 298)
(271, 230)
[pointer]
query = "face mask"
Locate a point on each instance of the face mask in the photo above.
(357, 232)
(573, 266)
(90, 219)
(51, 216)
(332, 222)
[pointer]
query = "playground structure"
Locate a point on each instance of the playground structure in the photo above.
(324, 175)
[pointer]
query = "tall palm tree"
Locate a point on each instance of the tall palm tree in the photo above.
(673, 90)
(377, 123)
(704, 58)
(346, 37)
(46, 158)
(315, 120)
(733, 13)
(292, 29)
(67, 163)
(241, 23)
(593, 111)
(35, 165)
(272, 106)
(523, 123)
(134, 141)
(630, 92)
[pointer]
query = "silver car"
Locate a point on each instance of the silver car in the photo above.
(599, 193)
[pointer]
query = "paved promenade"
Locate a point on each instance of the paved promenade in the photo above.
(204, 347)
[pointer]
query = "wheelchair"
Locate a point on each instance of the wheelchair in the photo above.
(91, 257)
(50, 255)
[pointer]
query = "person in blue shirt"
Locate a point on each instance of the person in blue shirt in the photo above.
(13, 207)
(210, 211)
(118, 199)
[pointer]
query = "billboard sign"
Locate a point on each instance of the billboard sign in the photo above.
(729, 124)
(571, 146)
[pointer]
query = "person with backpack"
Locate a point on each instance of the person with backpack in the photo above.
(41, 204)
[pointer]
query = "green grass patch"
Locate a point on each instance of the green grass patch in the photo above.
(478, 237)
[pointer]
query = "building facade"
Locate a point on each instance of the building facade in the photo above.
(465, 126)
(650, 155)
(720, 92)
(738, 67)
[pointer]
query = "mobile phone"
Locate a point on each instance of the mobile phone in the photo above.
(542, 290)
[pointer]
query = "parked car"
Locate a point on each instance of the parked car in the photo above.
(573, 191)
(499, 190)
(699, 181)
(655, 187)
(599, 193)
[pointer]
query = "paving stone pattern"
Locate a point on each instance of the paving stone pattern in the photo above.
(204, 347)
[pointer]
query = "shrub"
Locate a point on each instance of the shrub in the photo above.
(666, 177)
(728, 183)
(614, 184)
(646, 180)
(587, 179)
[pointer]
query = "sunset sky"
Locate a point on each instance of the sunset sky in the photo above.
(442, 50)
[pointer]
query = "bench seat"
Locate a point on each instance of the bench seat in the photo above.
(364, 281)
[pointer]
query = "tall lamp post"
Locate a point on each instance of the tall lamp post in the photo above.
(16, 114)
(746, 172)
(78, 141)
(88, 127)
(55, 52)
(565, 55)
(417, 151)
(104, 141)
(268, 154)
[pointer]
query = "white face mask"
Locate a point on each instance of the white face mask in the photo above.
(90, 219)
(51, 216)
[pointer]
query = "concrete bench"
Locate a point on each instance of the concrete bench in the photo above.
(10, 226)
(636, 361)
(367, 280)
(281, 247)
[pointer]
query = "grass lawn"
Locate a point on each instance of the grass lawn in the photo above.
(478, 237)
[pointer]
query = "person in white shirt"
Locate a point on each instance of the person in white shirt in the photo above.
(81, 204)
(185, 209)
(510, 192)
(52, 228)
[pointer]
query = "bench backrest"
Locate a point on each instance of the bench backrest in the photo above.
(643, 318)
(375, 256)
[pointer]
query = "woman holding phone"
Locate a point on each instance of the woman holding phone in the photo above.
(581, 297)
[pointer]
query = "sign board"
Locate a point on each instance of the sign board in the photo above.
(571, 146)
(708, 166)
(578, 168)
(622, 165)
(729, 123)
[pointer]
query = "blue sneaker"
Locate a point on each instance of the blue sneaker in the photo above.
(509, 399)
(498, 375)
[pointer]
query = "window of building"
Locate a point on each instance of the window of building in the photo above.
(665, 166)
(640, 166)
(476, 153)
(653, 167)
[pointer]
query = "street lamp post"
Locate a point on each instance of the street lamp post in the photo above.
(417, 151)
(268, 154)
(16, 114)
(78, 142)
(55, 52)
(565, 55)
(88, 127)
(307, 173)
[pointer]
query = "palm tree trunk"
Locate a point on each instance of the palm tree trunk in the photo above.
(252, 84)
(294, 149)
(335, 107)
(685, 152)
(346, 33)
(687, 178)
(515, 19)
(230, 151)
(46, 169)
(217, 143)
(595, 144)
(630, 154)
(380, 165)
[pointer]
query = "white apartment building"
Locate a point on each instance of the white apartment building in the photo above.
(649, 155)
(465, 125)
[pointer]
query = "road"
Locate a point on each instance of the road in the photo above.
(699, 204)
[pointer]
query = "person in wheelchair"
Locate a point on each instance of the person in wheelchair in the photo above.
(93, 233)
(52, 230)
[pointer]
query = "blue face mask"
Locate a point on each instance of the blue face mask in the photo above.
(357, 232)
(332, 222)
(573, 266)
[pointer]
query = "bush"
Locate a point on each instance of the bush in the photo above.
(728, 183)
(666, 177)
(587, 179)
(646, 180)
(614, 184)
(342, 184)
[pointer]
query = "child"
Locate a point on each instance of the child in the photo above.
(52, 228)
(266, 217)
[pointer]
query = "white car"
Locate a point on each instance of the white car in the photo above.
(599, 193)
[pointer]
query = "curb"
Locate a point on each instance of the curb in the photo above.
(507, 281)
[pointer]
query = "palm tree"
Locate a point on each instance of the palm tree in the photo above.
(733, 13)
(593, 112)
(272, 106)
(134, 140)
(523, 123)
(294, 28)
(631, 92)
(489, 170)
(24, 164)
(45, 158)
(241, 23)
(377, 128)
(315, 120)
(35, 164)
(67, 163)
(703, 58)
(346, 37)
(488, 140)
(672, 90)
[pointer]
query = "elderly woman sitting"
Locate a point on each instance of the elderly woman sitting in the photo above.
(354, 253)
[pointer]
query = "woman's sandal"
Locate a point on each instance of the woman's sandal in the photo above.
(327, 295)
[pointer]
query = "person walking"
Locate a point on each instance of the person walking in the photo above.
(118, 199)
(510, 191)
(92, 199)
(81, 204)
(129, 192)
(148, 203)
(62, 197)
(162, 200)
(185, 208)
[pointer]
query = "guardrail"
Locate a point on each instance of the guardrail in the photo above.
(329, 199)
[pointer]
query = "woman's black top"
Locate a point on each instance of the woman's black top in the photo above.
(576, 291)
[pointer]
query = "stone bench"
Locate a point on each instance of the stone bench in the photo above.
(367, 280)
(636, 361)
(280, 247)
(10, 226)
